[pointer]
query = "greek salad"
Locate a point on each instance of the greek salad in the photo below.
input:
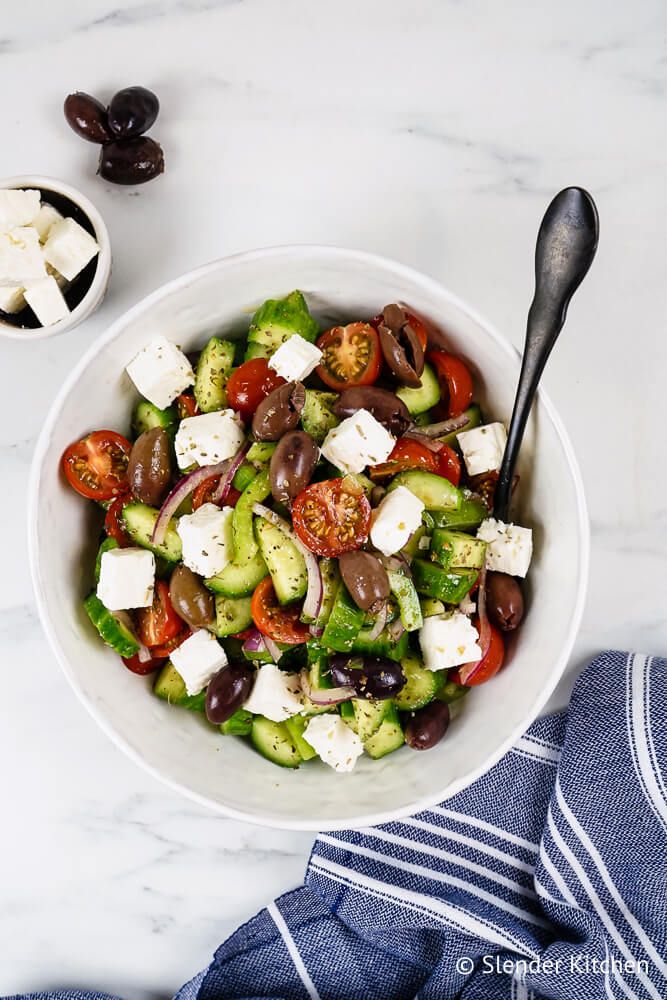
(299, 540)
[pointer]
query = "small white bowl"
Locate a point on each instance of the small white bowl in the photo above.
(177, 746)
(98, 286)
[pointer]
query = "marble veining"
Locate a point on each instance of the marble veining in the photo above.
(432, 132)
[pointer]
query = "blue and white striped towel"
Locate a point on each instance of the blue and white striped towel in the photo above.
(547, 878)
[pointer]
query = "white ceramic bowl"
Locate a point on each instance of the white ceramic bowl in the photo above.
(176, 745)
(98, 286)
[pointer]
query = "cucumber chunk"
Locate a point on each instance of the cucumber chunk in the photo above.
(238, 579)
(285, 562)
(451, 691)
(273, 741)
(404, 591)
(239, 724)
(213, 369)
(432, 490)
(106, 546)
(114, 631)
(450, 586)
(295, 727)
(170, 686)
(276, 321)
(421, 685)
(369, 716)
(384, 645)
(317, 416)
(260, 452)
(431, 606)
(455, 549)
(243, 476)
(232, 615)
(468, 517)
(139, 520)
(146, 416)
(389, 736)
(474, 417)
(422, 399)
(344, 622)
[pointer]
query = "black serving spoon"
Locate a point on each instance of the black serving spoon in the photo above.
(566, 245)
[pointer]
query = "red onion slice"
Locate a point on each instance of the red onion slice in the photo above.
(180, 491)
(396, 629)
(312, 604)
(273, 650)
(380, 622)
(431, 443)
(225, 483)
(316, 631)
(324, 696)
(443, 428)
(468, 670)
(254, 643)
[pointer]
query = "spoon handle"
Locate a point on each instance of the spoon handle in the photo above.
(566, 245)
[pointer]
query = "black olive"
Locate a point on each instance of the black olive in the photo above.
(192, 601)
(150, 466)
(427, 726)
(373, 677)
(366, 579)
(87, 117)
(227, 691)
(504, 601)
(384, 405)
(279, 412)
(131, 161)
(132, 111)
(292, 465)
(401, 346)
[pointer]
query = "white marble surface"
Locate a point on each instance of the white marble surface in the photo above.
(431, 131)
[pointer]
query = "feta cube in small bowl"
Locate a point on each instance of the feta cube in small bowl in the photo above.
(55, 257)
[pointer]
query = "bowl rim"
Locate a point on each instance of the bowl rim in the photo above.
(95, 293)
(268, 819)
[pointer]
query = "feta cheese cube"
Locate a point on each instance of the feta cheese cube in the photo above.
(161, 372)
(18, 207)
(45, 218)
(337, 744)
(46, 300)
(61, 280)
(449, 641)
(358, 441)
(21, 258)
(11, 298)
(127, 578)
(295, 359)
(69, 247)
(483, 448)
(207, 539)
(208, 439)
(510, 547)
(399, 514)
(198, 659)
(275, 694)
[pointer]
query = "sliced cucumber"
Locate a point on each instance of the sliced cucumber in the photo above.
(344, 622)
(239, 724)
(139, 520)
(456, 550)
(243, 476)
(469, 516)
(450, 691)
(146, 416)
(232, 615)
(384, 645)
(238, 579)
(295, 727)
(260, 452)
(421, 685)
(318, 677)
(112, 629)
(369, 716)
(213, 369)
(346, 710)
(404, 591)
(474, 418)
(389, 736)
(450, 586)
(106, 546)
(412, 547)
(422, 399)
(432, 490)
(431, 606)
(330, 584)
(285, 562)
(170, 686)
(317, 416)
(273, 741)
(277, 320)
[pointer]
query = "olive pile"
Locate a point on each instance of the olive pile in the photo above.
(127, 155)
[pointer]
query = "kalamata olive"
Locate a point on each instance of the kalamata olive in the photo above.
(366, 579)
(371, 677)
(385, 406)
(87, 117)
(227, 691)
(401, 346)
(279, 412)
(149, 469)
(192, 601)
(292, 465)
(504, 601)
(427, 726)
(132, 111)
(131, 161)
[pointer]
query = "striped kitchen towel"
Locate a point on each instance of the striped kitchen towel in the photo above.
(547, 878)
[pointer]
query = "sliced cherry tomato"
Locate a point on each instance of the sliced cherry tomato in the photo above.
(332, 517)
(245, 634)
(96, 466)
(113, 523)
(485, 484)
(455, 376)
(165, 650)
(186, 404)
(134, 664)
(204, 493)
(250, 384)
(159, 623)
(448, 464)
(351, 356)
(491, 662)
(406, 454)
(280, 623)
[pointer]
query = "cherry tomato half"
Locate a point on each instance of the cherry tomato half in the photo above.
(96, 466)
(113, 523)
(406, 454)
(186, 405)
(455, 376)
(491, 662)
(332, 517)
(250, 384)
(280, 623)
(351, 356)
(164, 651)
(159, 623)
(138, 666)
(204, 493)
(485, 484)
(448, 464)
